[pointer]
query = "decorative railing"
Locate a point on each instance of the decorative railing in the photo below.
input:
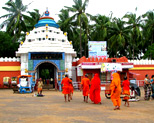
(9, 59)
(142, 62)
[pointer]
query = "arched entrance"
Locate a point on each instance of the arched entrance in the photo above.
(48, 72)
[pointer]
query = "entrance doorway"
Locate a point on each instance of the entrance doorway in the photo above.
(47, 71)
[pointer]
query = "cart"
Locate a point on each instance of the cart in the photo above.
(25, 86)
(107, 91)
(6, 81)
(14, 84)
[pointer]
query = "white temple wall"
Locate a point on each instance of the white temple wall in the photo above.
(24, 64)
(68, 64)
(74, 73)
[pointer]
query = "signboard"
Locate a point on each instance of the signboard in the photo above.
(79, 71)
(111, 67)
(97, 49)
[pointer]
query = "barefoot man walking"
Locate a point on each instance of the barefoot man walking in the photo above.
(85, 83)
(66, 87)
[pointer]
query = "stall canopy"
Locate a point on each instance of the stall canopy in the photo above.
(20, 76)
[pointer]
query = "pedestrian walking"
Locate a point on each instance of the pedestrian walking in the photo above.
(95, 89)
(85, 83)
(115, 87)
(147, 87)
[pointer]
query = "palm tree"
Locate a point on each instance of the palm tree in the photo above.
(31, 20)
(100, 27)
(15, 21)
(80, 16)
(134, 23)
(149, 28)
(65, 23)
(119, 35)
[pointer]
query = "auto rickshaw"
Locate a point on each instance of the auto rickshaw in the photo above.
(25, 86)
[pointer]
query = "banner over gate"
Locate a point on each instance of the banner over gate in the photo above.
(111, 67)
(97, 49)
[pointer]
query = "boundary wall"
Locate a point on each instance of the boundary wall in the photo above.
(9, 67)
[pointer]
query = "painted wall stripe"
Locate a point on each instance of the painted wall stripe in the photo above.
(142, 68)
(10, 68)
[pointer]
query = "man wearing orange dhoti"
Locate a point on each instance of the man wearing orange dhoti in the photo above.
(66, 87)
(85, 83)
(115, 87)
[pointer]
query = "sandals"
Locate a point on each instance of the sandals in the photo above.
(117, 108)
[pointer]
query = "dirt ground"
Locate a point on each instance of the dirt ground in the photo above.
(25, 108)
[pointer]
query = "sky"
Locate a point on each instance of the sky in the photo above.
(103, 7)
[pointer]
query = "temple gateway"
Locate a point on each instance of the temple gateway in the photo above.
(46, 52)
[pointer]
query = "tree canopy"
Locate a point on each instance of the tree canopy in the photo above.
(130, 36)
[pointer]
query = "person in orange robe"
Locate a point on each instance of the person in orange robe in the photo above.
(115, 87)
(85, 83)
(71, 90)
(95, 89)
(126, 92)
(66, 87)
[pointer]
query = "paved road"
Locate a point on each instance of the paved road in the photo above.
(25, 108)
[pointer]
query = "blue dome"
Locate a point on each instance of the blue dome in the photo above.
(46, 20)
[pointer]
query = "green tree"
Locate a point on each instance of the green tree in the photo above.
(100, 28)
(31, 20)
(80, 16)
(119, 35)
(14, 19)
(65, 23)
(134, 24)
(150, 52)
(7, 47)
(149, 31)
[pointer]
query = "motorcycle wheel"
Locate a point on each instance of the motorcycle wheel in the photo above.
(108, 96)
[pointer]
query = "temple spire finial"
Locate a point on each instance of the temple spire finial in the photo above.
(46, 12)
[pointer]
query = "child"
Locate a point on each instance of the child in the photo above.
(40, 86)
(133, 95)
(126, 92)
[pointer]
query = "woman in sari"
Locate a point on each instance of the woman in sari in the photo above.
(115, 87)
(152, 85)
(95, 89)
(147, 87)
